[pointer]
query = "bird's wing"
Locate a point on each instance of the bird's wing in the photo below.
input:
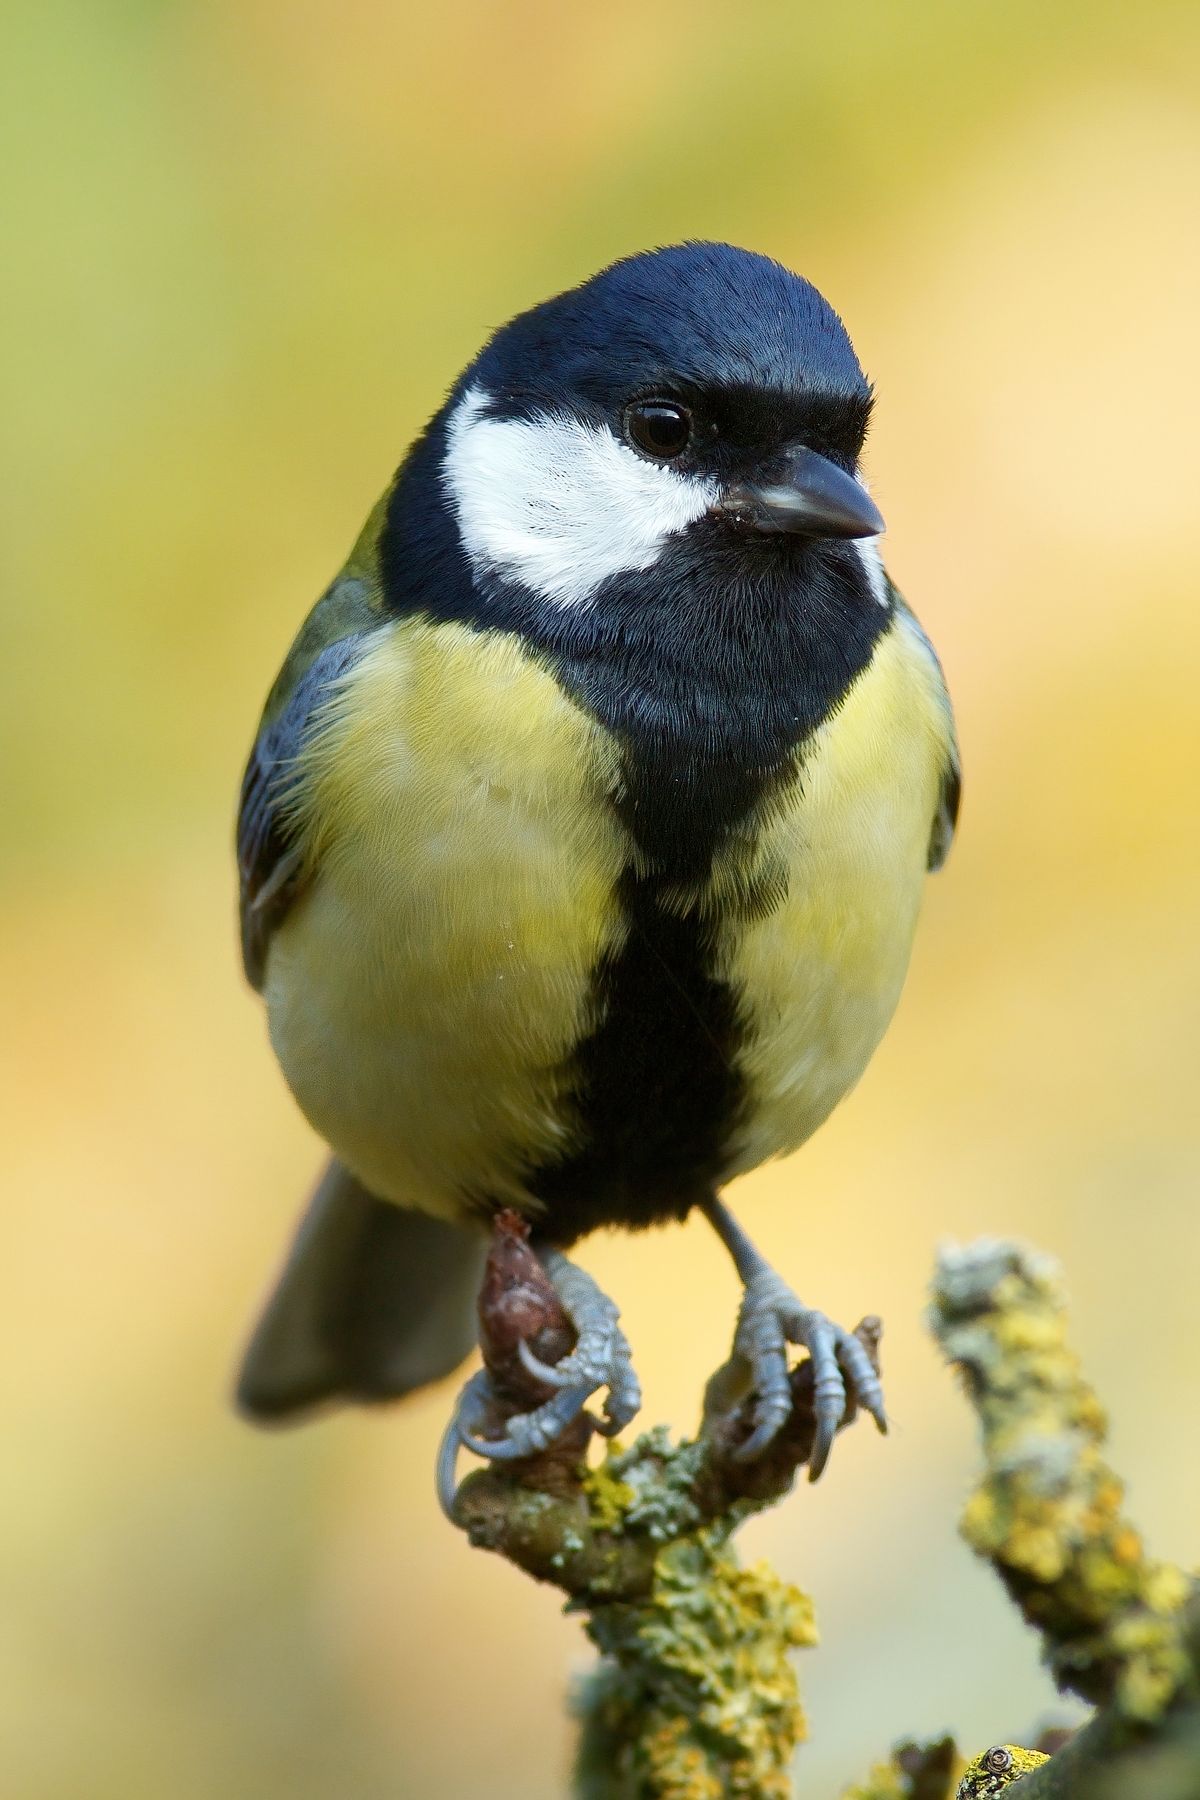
(271, 860)
(945, 818)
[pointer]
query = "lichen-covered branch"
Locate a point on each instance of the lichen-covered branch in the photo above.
(697, 1694)
(1117, 1627)
(695, 1697)
(1047, 1513)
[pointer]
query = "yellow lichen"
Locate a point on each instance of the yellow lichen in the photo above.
(702, 1695)
(997, 1769)
(1048, 1512)
(608, 1497)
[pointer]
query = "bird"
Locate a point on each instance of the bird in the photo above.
(582, 842)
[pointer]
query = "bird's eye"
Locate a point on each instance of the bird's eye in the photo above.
(998, 1760)
(660, 428)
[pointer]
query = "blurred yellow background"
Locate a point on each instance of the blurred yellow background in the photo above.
(247, 247)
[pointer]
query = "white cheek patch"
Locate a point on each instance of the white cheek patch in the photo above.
(560, 505)
(872, 562)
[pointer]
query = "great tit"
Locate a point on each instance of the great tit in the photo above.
(583, 838)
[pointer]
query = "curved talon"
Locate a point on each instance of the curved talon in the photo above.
(822, 1444)
(759, 1438)
(829, 1391)
(503, 1449)
(530, 1433)
(550, 1374)
(565, 1374)
(446, 1469)
(866, 1384)
(476, 1391)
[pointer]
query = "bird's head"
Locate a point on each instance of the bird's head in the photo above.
(697, 396)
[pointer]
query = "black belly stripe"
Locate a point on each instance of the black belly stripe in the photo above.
(655, 1086)
(656, 1089)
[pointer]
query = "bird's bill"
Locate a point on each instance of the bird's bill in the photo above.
(803, 492)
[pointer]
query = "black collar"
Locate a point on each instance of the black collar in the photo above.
(712, 668)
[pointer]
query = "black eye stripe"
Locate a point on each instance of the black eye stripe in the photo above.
(658, 428)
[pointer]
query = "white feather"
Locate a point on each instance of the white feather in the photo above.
(872, 562)
(558, 504)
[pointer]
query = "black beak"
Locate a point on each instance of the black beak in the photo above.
(807, 494)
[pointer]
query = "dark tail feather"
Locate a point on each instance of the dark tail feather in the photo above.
(371, 1303)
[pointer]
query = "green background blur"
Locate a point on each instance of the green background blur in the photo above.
(246, 247)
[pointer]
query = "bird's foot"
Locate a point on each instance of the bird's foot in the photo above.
(601, 1358)
(771, 1317)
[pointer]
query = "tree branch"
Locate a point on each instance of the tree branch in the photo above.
(696, 1696)
(1117, 1627)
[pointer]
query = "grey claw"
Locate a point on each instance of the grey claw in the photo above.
(822, 1445)
(529, 1433)
(476, 1391)
(766, 1429)
(543, 1372)
(491, 1449)
(446, 1471)
(829, 1389)
(863, 1379)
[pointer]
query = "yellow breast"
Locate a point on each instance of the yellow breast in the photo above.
(818, 976)
(424, 994)
(427, 991)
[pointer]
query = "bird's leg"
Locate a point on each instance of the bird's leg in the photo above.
(601, 1358)
(769, 1319)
